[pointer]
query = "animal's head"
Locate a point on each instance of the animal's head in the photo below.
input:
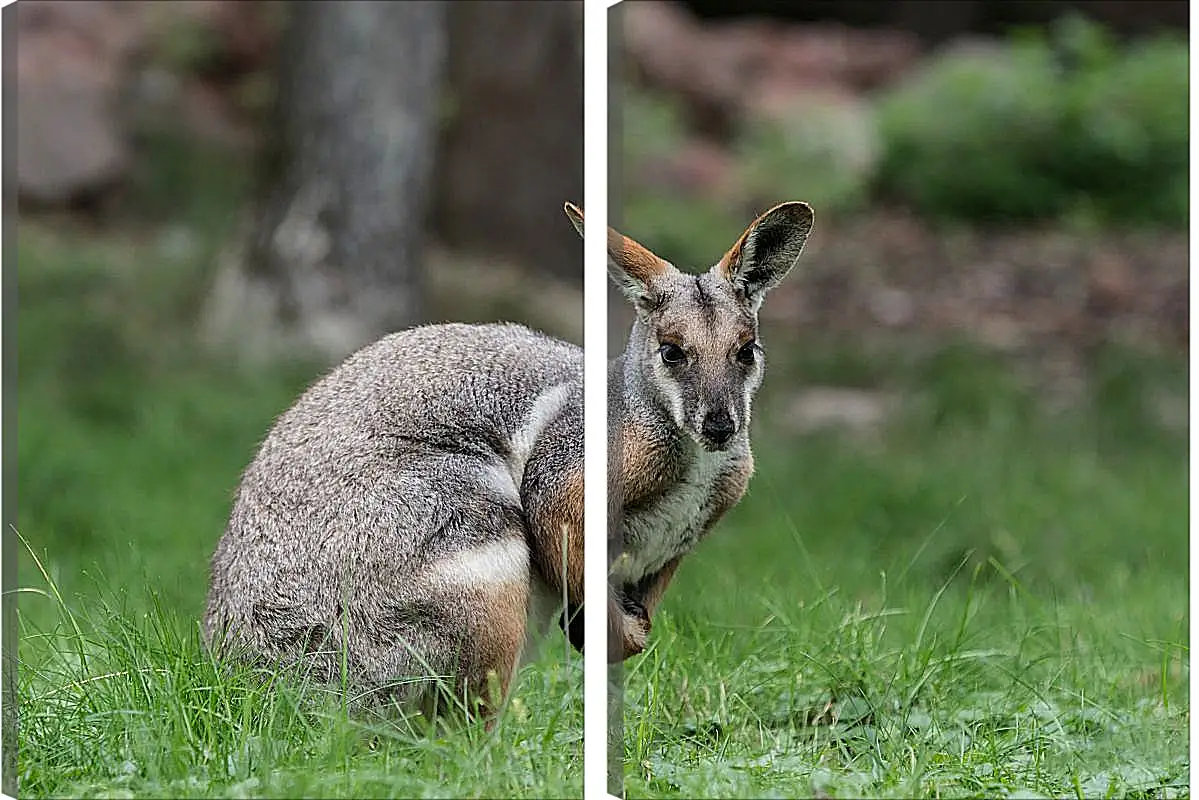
(695, 343)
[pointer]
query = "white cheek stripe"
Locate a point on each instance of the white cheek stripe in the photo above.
(505, 561)
(671, 391)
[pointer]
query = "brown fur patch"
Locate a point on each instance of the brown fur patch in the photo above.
(634, 258)
(499, 636)
(562, 513)
(648, 468)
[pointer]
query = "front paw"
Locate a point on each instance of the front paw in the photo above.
(628, 629)
(631, 638)
(636, 610)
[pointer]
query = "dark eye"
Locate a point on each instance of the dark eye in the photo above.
(672, 354)
(748, 353)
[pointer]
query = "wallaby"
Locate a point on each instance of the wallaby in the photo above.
(417, 515)
(682, 392)
(395, 524)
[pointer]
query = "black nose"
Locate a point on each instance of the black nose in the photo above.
(718, 426)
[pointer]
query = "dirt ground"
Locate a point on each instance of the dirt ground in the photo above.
(1017, 290)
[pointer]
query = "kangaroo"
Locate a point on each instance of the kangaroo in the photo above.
(682, 392)
(416, 517)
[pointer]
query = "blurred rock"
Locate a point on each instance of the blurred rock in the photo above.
(1001, 331)
(1026, 291)
(825, 407)
(1112, 285)
(859, 59)
(891, 307)
(71, 66)
(89, 73)
(1174, 309)
(109, 29)
(722, 69)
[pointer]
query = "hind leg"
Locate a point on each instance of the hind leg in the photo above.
(462, 623)
(499, 617)
(489, 584)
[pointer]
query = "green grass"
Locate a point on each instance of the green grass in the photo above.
(981, 599)
(122, 701)
(984, 599)
(129, 448)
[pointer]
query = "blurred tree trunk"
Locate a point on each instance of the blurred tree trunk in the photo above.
(334, 256)
(512, 151)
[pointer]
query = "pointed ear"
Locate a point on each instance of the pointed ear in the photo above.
(631, 266)
(575, 215)
(767, 251)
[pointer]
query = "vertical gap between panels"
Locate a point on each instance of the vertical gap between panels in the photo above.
(595, 200)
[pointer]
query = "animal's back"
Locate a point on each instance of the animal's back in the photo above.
(389, 495)
(474, 381)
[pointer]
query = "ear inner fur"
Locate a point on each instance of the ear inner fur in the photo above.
(732, 260)
(728, 263)
(576, 216)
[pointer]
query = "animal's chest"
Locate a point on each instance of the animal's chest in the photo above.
(671, 524)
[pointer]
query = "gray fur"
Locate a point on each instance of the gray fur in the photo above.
(381, 473)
